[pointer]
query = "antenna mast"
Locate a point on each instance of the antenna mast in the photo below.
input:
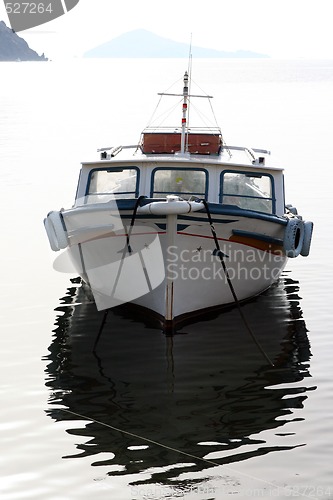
(184, 118)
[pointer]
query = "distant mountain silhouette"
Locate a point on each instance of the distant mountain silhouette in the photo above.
(14, 48)
(142, 43)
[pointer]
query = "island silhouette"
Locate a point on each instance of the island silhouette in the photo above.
(15, 48)
(141, 43)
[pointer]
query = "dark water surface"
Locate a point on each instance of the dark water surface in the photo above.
(205, 391)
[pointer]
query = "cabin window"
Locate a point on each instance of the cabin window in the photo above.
(112, 183)
(249, 191)
(184, 183)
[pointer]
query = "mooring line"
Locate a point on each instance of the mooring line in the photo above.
(170, 448)
(151, 441)
(127, 248)
(220, 254)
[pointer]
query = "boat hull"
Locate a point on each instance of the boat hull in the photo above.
(172, 266)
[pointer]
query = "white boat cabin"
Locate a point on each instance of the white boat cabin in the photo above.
(231, 176)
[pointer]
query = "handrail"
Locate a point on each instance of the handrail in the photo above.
(245, 148)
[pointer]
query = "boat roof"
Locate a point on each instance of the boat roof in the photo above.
(236, 156)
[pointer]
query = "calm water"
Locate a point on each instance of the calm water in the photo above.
(199, 415)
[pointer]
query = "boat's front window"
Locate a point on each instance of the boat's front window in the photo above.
(110, 183)
(249, 191)
(185, 183)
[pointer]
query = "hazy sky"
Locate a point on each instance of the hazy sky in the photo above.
(279, 28)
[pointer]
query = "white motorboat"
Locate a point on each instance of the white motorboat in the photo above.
(180, 223)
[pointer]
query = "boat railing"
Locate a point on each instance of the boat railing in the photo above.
(249, 150)
(167, 140)
(112, 151)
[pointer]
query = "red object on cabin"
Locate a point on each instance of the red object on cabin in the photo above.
(197, 143)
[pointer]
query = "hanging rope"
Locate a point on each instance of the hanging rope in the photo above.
(128, 249)
(136, 206)
(221, 256)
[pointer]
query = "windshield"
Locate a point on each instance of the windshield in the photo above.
(247, 191)
(185, 183)
(107, 184)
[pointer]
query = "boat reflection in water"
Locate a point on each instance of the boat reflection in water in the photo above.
(205, 389)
